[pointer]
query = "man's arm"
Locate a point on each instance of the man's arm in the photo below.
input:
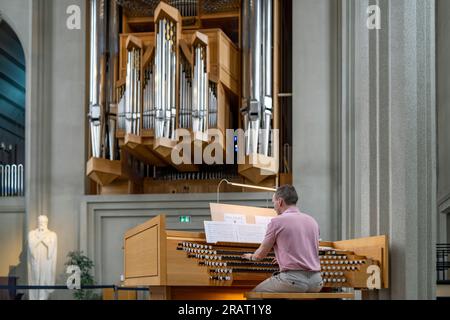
(266, 245)
(260, 253)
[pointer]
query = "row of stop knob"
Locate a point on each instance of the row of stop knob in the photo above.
(196, 245)
(221, 270)
(206, 257)
(220, 278)
(343, 257)
(215, 264)
(204, 251)
(331, 274)
(334, 280)
(340, 268)
(343, 262)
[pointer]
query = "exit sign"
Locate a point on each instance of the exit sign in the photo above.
(185, 219)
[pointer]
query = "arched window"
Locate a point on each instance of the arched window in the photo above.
(12, 113)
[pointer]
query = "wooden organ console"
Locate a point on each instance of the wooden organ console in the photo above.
(182, 265)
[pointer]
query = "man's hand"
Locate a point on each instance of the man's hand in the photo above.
(274, 261)
(247, 256)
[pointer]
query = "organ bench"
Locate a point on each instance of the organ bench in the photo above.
(299, 296)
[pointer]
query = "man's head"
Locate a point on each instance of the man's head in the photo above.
(284, 197)
(42, 222)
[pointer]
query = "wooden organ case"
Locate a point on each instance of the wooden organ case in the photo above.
(182, 265)
(161, 66)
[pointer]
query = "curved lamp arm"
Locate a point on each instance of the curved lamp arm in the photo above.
(218, 187)
(242, 185)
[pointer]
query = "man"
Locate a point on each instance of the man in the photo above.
(294, 237)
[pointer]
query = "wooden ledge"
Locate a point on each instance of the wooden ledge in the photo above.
(103, 171)
(299, 296)
(164, 10)
(163, 147)
(141, 147)
(258, 167)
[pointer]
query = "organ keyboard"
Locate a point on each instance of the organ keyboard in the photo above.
(182, 265)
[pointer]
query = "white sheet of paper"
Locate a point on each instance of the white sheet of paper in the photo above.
(220, 231)
(234, 218)
(265, 220)
(250, 233)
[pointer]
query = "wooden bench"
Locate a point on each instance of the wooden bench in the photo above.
(299, 296)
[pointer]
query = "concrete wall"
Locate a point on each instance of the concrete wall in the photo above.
(443, 116)
(66, 158)
(315, 102)
(55, 114)
(393, 137)
(364, 129)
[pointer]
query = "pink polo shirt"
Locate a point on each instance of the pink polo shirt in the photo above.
(294, 237)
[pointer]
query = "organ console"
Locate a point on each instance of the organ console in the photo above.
(182, 265)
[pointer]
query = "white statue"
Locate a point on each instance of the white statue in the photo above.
(42, 246)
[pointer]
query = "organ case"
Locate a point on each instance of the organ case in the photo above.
(221, 24)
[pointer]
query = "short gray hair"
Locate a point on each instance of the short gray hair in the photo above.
(288, 194)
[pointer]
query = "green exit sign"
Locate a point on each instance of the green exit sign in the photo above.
(185, 219)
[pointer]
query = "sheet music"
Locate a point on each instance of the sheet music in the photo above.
(234, 218)
(220, 231)
(265, 220)
(250, 233)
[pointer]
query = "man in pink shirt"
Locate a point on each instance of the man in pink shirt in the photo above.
(294, 236)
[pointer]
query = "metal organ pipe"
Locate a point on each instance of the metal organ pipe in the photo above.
(104, 43)
(159, 121)
(212, 109)
(268, 43)
(121, 94)
(200, 90)
(114, 29)
(97, 46)
(195, 94)
(11, 180)
(167, 65)
(173, 72)
(165, 78)
(128, 90)
(133, 92)
(137, 110)
(268, 77)
(255, 43)
(256, 46)
(204, 91)
(185, 97)
(148, 106)
(257, 37)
